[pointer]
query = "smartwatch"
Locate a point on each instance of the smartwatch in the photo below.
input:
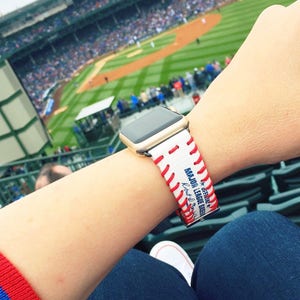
(163, 135)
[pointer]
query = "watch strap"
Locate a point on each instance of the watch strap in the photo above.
(184, 171)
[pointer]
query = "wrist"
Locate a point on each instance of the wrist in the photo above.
(163, 136)
(221, 141)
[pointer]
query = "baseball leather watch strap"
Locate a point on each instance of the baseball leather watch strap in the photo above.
(183, 168)
(163, 135)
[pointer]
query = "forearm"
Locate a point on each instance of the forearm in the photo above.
(98, 213)
(71, 232)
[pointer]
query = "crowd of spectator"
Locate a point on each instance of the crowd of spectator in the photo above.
(60, 59)
(59, 21)
(193, 83)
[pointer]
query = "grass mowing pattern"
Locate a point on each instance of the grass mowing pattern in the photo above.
(224, 39)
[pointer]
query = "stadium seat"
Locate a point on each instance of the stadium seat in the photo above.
(224, 211)
(287, 178)
(290, 208)
(192, 239)
(284, 196)
(227, 209)
(257, 169)
(292, 161)
(254, 189)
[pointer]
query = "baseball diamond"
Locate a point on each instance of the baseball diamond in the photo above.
(149, 63)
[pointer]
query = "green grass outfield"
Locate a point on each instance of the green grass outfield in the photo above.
(224, 39)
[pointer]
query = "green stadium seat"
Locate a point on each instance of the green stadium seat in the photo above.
(292, 161)
(287, 178)
(284, 196)
(192, 239)
(227, 209)
(290, 208)
(257, 169)
(224, 211)
(254, 189)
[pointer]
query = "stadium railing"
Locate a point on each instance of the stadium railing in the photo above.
(17, 179)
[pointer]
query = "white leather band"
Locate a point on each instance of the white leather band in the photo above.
(181, 164)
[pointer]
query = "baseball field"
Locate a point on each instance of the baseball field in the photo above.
(138, 68)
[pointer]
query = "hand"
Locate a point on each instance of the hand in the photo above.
(260, 93)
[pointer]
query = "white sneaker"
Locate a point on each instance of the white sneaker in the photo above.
(174, 255)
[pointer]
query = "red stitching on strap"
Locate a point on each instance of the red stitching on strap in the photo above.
(158, 160)
(189, 215)
(211, 193)
(188, 219)
(190, 141)
(171, 178)
(187, 209)
(187, 212)
(194, 150)
(174, 188)
(206, 177)
(183, 203)
(214, 198)
(209, 185)
(214, 205)
(173, 149)
(198, 161)
(201, 170)
(179, 196)
(166, 169)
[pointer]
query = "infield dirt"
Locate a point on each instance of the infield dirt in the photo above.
(184, 35)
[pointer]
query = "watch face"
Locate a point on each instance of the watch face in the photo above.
(150, 124)
(151, 129)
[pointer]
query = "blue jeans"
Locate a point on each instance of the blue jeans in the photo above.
(254, 257)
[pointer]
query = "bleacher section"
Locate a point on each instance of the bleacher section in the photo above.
(29, 16)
